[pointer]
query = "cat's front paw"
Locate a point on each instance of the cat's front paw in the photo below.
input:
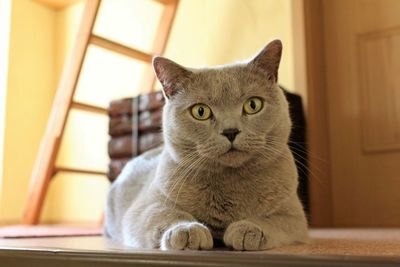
(188, 235)
(244, 235)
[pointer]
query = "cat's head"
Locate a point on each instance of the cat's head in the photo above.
(228, 114)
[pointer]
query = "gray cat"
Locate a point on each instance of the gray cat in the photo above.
(225, 171)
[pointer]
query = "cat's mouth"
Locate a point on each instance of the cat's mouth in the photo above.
(233, 157)
(232, 151)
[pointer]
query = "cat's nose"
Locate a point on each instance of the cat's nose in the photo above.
(230, 133)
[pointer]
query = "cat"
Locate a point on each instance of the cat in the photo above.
(225, 171)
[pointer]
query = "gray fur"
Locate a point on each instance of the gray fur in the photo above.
(186, 193)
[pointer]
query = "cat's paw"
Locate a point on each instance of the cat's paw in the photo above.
(244, 235)
(188, 235)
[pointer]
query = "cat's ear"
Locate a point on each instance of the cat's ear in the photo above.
(268, 60)
(170, 74)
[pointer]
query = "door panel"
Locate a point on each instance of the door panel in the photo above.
(362, 57)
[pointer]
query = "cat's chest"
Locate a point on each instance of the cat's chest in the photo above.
(218, 205)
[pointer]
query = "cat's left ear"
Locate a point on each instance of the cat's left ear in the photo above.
(268, 60)
(170, 74)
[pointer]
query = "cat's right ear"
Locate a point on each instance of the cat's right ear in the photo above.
(268, 60)
(170, 74)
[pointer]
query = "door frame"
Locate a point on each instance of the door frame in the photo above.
(320, 185)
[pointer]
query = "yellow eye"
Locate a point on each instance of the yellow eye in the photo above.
(253, 105)
(201, 112)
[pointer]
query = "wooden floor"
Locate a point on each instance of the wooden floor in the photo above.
(329, 247)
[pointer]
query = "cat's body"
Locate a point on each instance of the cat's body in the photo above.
(230, 176)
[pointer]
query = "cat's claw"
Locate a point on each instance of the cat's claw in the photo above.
(188, 235)
(244, 235)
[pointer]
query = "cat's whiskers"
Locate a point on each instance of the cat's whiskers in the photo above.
(275, 153)
(313, 175)
(188, 170)
(189, 174)
(181, 165)
(185, 171)
(183, 176)
(309, 153)
(296, 152)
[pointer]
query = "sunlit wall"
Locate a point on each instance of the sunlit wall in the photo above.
(30, 89)
(5, 10)
(215, 32)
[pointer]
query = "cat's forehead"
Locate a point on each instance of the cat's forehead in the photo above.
(225, 85)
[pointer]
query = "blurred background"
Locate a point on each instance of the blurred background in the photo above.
(325, 43)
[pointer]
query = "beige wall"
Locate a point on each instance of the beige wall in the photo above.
(31, 84)
(5, 10)
(215, 32)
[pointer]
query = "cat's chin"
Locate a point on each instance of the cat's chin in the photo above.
(233, 158)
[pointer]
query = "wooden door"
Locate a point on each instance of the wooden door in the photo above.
(361, 54)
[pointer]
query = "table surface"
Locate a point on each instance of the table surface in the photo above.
(333, 247)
